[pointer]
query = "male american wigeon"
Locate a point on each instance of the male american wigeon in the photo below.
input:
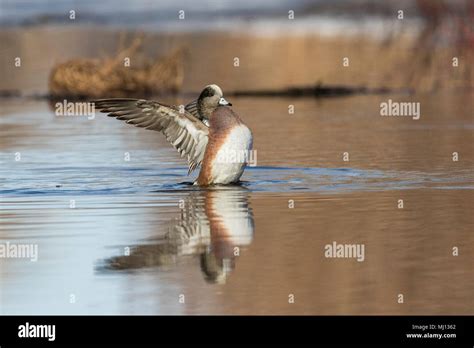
(206, 130)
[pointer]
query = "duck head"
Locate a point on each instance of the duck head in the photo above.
(210, 98)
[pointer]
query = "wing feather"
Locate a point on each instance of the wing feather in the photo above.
(183, 130)
(193, 109)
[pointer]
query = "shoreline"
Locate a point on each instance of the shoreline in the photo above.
(316, 91)
(263, 63)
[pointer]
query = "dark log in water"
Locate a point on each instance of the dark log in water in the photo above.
(312, 91)
(10, 93)
(317, 91)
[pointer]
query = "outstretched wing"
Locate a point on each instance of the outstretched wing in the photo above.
(183, 130)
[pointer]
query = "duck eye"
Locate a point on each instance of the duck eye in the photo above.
(207, 93)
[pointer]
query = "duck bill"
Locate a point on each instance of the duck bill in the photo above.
(224, 102)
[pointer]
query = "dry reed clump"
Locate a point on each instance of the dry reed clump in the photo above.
(110, 77)
(447, 34)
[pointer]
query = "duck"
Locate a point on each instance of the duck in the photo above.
(207, 131)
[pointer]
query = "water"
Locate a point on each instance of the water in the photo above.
(132, 237)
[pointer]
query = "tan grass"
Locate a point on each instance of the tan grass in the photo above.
(110, 77)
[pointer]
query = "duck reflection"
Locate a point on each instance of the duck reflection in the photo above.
(214, 224)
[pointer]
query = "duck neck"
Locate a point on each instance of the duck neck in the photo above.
(205, 111)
